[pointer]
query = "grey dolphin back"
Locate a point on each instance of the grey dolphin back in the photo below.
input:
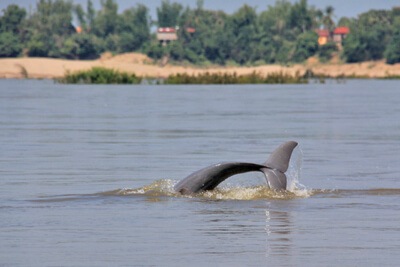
(208, 178)
(279, 159)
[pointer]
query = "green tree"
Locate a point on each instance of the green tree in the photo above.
(354, 48)
(134, 29)
(306, 46)
(107, 20)
(11, 28)
(345, 22)
(49, 27)
(89, 46)
(12, 18)
(9, 45)
(36, 48)
(200, 4)
(285, 52)
(369, 36)
(245, 29)
(90, 14)
(176, 51)
(209, 40)
(69, 49)
(155, 50)
(274, 29)
(392, 53)
(168, 14)
(275, 20)
(81, 15)
(325, 51)
(301, 17)
(327, 19)
(60, 18)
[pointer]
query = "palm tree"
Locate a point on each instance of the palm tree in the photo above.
(327, 19)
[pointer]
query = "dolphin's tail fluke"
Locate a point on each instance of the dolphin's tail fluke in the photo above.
(276, 180)
(277, 164)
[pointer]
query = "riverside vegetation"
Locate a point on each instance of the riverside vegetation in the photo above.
(227, 78)
(281, 33)
(99, 75)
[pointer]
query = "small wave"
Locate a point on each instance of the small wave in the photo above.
(164, 189)
(235, 192)
(253, 193)
(341, 193)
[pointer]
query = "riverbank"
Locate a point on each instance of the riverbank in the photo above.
(141, 65)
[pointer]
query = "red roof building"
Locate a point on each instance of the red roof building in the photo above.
(339, 34)
(166, 30)
(341, 30)
(323, 33)
(168, 34)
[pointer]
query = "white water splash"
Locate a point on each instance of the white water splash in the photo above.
(294, 173)
(295, 189)
(163, 187)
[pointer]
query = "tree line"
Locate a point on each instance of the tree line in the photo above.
(284, 32)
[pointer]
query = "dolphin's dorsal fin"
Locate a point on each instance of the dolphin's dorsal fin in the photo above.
(279, 159)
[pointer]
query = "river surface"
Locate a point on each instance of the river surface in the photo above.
(87, 174)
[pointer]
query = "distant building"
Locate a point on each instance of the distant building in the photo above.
(323, 36)
(168, 34)
(339, 34)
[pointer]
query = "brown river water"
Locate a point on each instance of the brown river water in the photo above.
(87, 174)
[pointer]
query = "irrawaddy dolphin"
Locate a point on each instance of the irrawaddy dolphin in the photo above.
(208, 178)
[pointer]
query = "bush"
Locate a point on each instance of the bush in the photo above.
(227, 78)
(306, 46)
(9, 45)
(36, 48)
(99, 75)
(392, 53)
(154, 51)
(126, 42)
(89, 46)
(325, 51)
(285, 52)
(69, 49)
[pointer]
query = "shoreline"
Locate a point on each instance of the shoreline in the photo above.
(141, 65)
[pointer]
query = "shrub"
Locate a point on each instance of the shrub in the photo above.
(99, 75)
(9, 45)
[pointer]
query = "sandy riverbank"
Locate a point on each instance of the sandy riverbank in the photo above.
(142, 66)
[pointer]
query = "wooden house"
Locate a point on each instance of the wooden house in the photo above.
(339, 34)
(167, 35)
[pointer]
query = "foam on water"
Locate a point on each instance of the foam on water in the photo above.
(165, 187)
